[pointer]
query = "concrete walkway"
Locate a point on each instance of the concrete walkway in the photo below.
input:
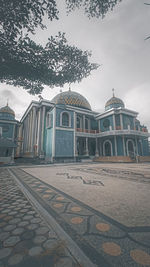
(43, 225)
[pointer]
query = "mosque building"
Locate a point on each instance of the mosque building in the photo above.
(67, 129)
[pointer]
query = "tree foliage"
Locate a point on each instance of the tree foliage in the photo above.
(92, 8)
(16, 15)
(30, 65)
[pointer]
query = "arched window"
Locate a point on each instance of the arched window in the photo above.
(130, 148)
(65, 119)
(106, 124)
(107, 148)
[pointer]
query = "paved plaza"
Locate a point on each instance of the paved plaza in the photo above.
(75, 215)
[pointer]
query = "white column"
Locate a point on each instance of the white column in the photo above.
(121, 121)
(89, 125)
(137, 152)
(124, 149)
(33, 130)
(86, 147)
(115, 142)
(13, 135)
(99, 125)
(114, 122)
(24, 136)
(96, 150)
(22, 140)
(39, 132)
(74, 134)
(134, 123)
(76, 144)
(54, 131)
(83, 123)
(12, 156)
(28, 133)
(42, 133)
(100, 149)
(36, 128)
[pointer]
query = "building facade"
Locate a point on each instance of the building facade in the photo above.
(66, 129)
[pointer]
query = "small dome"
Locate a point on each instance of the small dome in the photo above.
(114, 102)
(7, 110)
(73, 99)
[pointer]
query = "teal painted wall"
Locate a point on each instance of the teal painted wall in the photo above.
(140, 148)
(113, 145)
(64, 143)
(145, 147)
(45, 136)
(94, 124)
(7, 129)
(137, 125)
(6, 116)
(49, 138)
(128, 120)
(119, 146)
(102, 128)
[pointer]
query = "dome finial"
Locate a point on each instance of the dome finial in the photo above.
(113, 90)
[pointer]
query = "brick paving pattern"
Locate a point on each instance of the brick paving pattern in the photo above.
(25, 238)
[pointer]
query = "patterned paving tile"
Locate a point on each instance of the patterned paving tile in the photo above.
(23, 232)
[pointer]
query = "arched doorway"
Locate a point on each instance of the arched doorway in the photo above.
(130, 148)
(107, 148)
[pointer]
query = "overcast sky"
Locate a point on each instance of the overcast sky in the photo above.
(117, 43)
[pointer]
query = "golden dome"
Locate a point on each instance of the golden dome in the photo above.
(114, 102)
(8, 110)
(73, 99)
